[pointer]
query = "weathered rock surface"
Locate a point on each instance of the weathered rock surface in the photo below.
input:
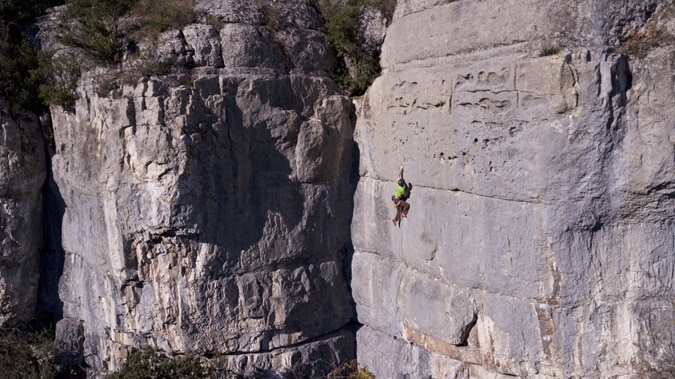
(69, 346)
(211, 214)
(22, 172)
(541, 238)
(209, 210)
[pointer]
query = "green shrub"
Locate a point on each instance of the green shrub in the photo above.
(342, 28)
(99, 35)
(350, 370)
(16, 84)
(146, 364)
(58, 79)
(18, 57)
(29, 353)
(356, 69)
(92, 26)
(365, 72)
(159, 16)
(548, 51)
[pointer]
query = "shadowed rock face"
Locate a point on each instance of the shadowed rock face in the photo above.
(22, 172)
(541, 235)
(212, 216)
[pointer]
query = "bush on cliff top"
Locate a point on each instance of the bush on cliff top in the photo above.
(342, 19)
(159, 16)
(98, 32)
(57, 77)
(93, 28)
(18, 57)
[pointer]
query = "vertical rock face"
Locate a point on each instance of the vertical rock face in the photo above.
(22, 172)
(541, 238)
(211, 214)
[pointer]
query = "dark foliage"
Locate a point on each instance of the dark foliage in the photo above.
(18, 57)
(357, 68)
(28, 352)
(92, 26)
(146, 364)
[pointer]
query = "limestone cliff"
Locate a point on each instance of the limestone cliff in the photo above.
(541, 239)
(208, 212)
(213, 209)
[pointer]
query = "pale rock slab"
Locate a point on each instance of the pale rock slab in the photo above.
(212, 215)
(540, 242)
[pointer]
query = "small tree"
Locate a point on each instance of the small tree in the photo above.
(17, 55)
(357, 68)
(158, 16)
(57, 77)
(93, 28)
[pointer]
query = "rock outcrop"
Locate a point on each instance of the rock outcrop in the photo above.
(209, 211)
(541, 238)
(22, 172)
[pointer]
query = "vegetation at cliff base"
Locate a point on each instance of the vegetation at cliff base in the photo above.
(26, 352)
(146, 364)
(350, 370)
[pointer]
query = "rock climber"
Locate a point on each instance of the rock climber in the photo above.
(400, 196)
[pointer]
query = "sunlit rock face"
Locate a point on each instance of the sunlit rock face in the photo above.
(541, 237)
(209, 212)
(22, 173)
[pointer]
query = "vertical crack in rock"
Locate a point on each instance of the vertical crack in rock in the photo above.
(465, 330)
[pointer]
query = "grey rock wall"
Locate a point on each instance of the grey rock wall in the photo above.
(541, 238)
(209, 212)
(22, 172)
